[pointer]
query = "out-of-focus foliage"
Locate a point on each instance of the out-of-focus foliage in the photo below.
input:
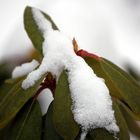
(133, 73)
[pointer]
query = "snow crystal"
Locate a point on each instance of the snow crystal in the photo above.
(24, 69)
(92, 104)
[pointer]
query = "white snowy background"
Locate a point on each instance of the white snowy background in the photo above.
(110, 28)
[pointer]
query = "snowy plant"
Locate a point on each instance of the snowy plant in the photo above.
(91, 95)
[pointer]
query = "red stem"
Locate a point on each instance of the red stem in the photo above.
(84, 53)
(49, 82)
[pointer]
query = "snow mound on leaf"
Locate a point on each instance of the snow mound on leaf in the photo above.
(92, 104)
(24, 69)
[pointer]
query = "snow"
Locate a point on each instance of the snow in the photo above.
(92, 104)
(45, 95)
(44, 99)
(83, 135)
(53, 50)
(43, 25)
(24, 69)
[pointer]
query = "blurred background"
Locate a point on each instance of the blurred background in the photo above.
(109, 28)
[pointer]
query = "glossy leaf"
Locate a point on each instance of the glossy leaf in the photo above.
(27, 124)
(62, 114)
(49, 130)
(120, 84)
(14, 100)
(32, 28)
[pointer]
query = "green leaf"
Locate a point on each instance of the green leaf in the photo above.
(124, 133)
(120, 84)
(4, 72)
(27, 124)
(125, 85)
(100, 134)
(49, 130)
(96, 66)
(62, 115)
(14, 100)
(131, 123)
(4, 132)
(33, 30)
(7, 85)
(127, 109)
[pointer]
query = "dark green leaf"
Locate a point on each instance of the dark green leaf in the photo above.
(125, 85)
(27, 123)
(127, 109)
(7, 85)
(124, 133)
(14, 100)
(120, 84)
(32, 28)
(49, 130)
(129, 117)
(62, 114)
(4, 72)
(4, 132)
(100, 134)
